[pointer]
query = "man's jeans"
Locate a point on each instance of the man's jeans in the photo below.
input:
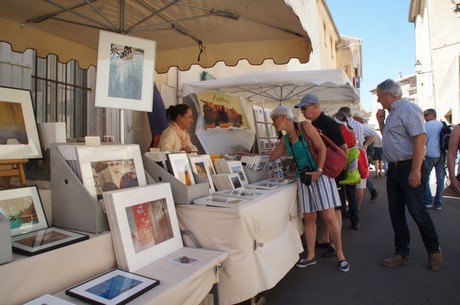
(439, 166)
(400, 196)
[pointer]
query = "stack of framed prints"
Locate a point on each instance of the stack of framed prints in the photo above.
(268, 184)
(143, 223)
(227, 182)
(29, 227)
(220, 201)
(110, 167)
(179, 166)
(115, 287)
(48, 299)
(237, 167)
(242, 194)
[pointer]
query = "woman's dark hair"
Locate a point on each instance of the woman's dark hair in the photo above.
(174, 110)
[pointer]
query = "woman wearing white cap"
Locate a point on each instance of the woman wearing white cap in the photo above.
(317, 192)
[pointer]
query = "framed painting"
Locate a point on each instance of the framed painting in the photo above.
(200, 166)
(23, 208)
(125, 71)
(115, 287)
(222, 111)
(143, 223)
(41, 241)
(18, 128)
(110, 167)
(180, 168)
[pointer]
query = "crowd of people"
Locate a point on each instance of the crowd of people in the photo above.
(405, 154)
(410, 149)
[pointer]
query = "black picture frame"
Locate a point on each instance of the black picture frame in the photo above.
(115, 287)
(45, 240)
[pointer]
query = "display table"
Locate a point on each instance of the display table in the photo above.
(179, 284)
(261, 238)
(27, 278)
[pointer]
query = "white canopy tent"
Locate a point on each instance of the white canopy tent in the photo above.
(269, 89)
(332, 87)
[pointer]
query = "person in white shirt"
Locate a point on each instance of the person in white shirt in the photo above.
(175, 137)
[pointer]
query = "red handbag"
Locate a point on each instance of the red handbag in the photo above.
(336, 159)
(363, 165)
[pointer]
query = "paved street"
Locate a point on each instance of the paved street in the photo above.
(368, 283)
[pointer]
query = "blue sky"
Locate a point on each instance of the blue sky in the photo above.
(388, 38)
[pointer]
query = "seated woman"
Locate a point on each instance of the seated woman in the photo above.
(175, 137)
(316, 194)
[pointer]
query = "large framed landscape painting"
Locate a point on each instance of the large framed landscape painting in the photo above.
(18, 128)
(143, 223)
(125, 71)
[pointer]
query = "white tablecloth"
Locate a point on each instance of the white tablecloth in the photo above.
(261, 238)
(179, 284)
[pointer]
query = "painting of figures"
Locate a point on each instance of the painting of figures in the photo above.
(113, 175)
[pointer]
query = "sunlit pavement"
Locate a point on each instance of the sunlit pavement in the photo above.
(367, 282)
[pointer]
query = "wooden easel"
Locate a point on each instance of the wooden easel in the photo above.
(15, 168)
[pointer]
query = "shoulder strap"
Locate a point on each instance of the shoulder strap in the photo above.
(299, 135)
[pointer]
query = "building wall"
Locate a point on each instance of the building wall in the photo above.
(437, 49)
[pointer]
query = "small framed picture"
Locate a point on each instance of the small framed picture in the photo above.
(23, 208)
(125, 72)
(48, 299)
(37, 242)
(180, 168)
(143, 223)
(115, 287)
(110, 167)
(200, 166)
(18, 128)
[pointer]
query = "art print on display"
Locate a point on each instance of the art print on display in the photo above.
(125, 72)
(149, 223)
(23, 208)
(110, 167)
(18, 128)
(180, 168)
(236, 181)
(200, 166)
(221, 110)
(143, 223)
(37, 242)
(113, 288)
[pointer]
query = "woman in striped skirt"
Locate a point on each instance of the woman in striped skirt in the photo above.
(321, 194)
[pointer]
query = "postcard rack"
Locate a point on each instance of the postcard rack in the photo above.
(72, 205)
(254, 176)
(182, 194)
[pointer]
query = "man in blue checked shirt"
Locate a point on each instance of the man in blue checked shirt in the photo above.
(403, 138)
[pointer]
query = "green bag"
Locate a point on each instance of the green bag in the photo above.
(352, 175)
